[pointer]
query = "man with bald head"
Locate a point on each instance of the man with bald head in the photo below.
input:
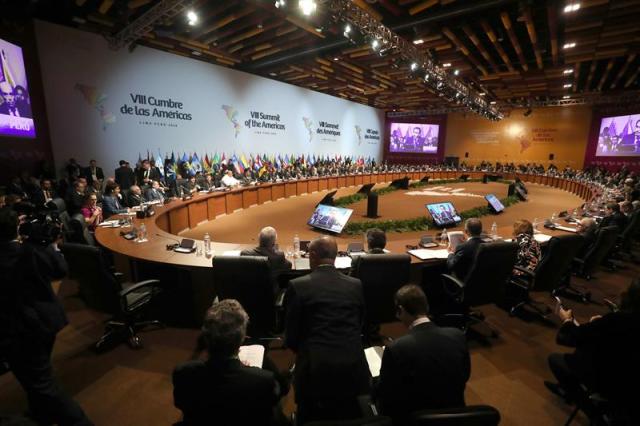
(325, 312)
(267, 248)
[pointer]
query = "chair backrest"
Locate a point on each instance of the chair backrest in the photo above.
(366, 421)
(125, 196)
(491, 269)
(58, 204)
(97, 286)
(556, 262)
(248, 280)
(631, 229)
(382, 275)
(78, 231)
(605, 241)
(472, 415)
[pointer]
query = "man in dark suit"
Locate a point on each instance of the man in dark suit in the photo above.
(154, 193)
(588, 228)
(605, 358)
(222, 390)
(325, 312)
(426, 369)
(75, 199)
(459, 262)
(134, 197)
(43, 194)
(267, 248)
(145, 174)
(614, 217)
(93, 172)
(124, 175)
(30, 318)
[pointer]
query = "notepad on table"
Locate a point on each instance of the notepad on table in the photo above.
(373, 355)
(231, 253)
(542, 238)
(251, 355)
(424, 254)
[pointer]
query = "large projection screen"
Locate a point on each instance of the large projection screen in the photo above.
(15, 104)
(414, 138)
(619, 136)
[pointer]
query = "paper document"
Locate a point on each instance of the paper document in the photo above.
(542, 238)
(343, 262)
(232, 253)
(301, 264)
(109, 224)
(455, 238)
(566, 228)
(424, 254)
(373, 355)
(252, 355)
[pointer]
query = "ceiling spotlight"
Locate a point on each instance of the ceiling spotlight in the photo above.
(426, 77)
(568, 85)
(418, 41)
(569, 45)
(566, 97)
(347, 29)
(375, 44)
(568, 71)
(571, 7)
(335, 59)
(307, 6)
(192, 17)
(280, 3)
(492, 103)
(456, 72)
(319, 29)
(196, 53)
(273, 74)
(482, 94)
(414, 66)
(446, 65)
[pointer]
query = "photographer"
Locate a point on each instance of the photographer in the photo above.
(30, 318)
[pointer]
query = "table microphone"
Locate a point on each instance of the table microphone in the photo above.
(169, 246)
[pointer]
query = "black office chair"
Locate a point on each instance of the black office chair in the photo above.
(107, 292)
(78, 231)
(605, 242)
(473, 415)
(248, 280)
(485, 283)
(59, 206)
(381, 275)
(367, 421)
(550, 274)
(625, 239)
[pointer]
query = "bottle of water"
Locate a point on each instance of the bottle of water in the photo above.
(143, 233)
(444, 237)
(296, 246)
(535, 224)
(494, 230)
(554, 217)
(207, 244)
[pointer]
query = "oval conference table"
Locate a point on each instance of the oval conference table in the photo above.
(188, 276)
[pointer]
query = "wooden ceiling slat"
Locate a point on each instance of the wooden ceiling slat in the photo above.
(623, 70)
(105, 6)
(576, 76)
(496, 44)
(454, 39)
(370, 10)
(632, 78)
(476, 42)
(134, 4)
(298, 22)
(422, 6)
(506, 22)
(605, 74)
(531, 29)
(592, 72)
(224, 22)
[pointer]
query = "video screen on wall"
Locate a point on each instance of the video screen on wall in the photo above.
(414, 137)
(15, 103)
(619, 136)
(330, 218)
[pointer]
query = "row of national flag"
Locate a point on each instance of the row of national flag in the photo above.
(190, 164)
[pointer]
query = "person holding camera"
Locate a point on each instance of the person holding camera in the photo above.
(30, 318)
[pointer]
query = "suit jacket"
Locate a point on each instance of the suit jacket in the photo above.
(89, 176)
(606, 354)
(28, 305)
(111, 205)
(38, 197)
(74, 202)
(427, 368)
(225, 393)
(134, 199)
(616, 219)
(154, 174)
(124, 177)
(459, 262)
(277, 261)
(325, 313)
(590, 237)
(152, 194)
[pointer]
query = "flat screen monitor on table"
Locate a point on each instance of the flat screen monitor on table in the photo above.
(444, 214)
(494, 203)
(330, 218)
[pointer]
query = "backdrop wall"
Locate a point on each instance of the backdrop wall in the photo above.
(561, 131)
(112, 105)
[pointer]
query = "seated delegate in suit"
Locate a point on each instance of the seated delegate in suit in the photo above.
(529, 253)
(459, 262)
(247, 177)
(606, 355)
(134, 197)
(207, 183)
(228, 180)
(93, 172)
(154, 193)
(325, 313)
(376, 242)
(75, 199)
(267, 248)
(426, 369)
(111, 201)
(91, 212)
(221, 389)
(614, 217)
(43, 194)
(588, 228)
